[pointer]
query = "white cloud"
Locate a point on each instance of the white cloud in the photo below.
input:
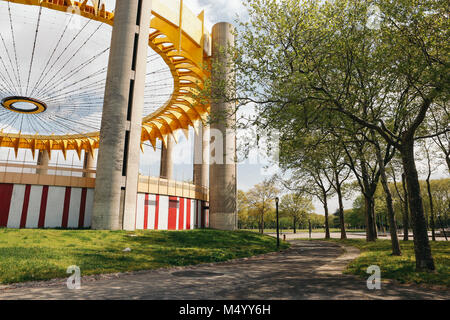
(217, 10)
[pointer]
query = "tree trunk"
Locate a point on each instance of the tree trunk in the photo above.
(422, 249)
(430, 198)
(262, 223)
(341, 207)
(370, 231)
(405, 210)
(327, 226)
(374, 218)
(369, 203)
(447, 159)
(295, 225)
(389, 204)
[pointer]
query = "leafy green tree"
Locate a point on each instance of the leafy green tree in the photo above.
(317, 220)
(440, 194)
(308, 175)
(309, 60)
(402, 195)
(388, 196)
(261, 201)
(356, 216)
(297, 207)
(244, 220)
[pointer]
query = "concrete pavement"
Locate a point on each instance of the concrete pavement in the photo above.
(337, 235)
(308, 270)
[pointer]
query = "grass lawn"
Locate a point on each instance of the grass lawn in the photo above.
(32, 255)
(400, 268)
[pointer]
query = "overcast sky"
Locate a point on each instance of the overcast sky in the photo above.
(217, 10)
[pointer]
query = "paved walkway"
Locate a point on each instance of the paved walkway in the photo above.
(309, 270)
(337, 235)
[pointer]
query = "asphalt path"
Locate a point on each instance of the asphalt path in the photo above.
(308, 270)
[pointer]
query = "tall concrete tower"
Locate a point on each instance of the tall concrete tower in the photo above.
(89, 164)
(43, 161)
(222, 179)
(120, 134)
(201, 154)
(166, 168)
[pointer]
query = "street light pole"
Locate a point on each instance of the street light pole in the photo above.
(278, 225)
(310, 229)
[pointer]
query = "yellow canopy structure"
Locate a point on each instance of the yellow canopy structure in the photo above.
(178, 36)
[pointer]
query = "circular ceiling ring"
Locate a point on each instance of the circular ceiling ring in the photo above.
(23, 105)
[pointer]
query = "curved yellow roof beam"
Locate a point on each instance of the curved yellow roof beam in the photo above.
(178, 36)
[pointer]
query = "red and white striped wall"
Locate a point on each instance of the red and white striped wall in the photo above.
(31, 207)
(157, 212)
(27, 206)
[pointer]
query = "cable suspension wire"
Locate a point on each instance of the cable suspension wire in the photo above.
(72, 129)
(14, 45)
(5, 86)
(65, 96)
(61, 54)
(44, 124)
(97, 85)
(53, 53)
(92, 75)
(77, 123)
(30, 124)
(97, 94)
(160, 71)
(10, 61)
(69, 60)
(34, 48)
(74, 72)
(9, 124)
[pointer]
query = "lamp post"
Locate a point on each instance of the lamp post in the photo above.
(277, 200)
(310, 228)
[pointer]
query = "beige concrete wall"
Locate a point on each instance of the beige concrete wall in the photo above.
(201, 154)
(43, 162)
(19, 173)
(90, 165)
(166, 167)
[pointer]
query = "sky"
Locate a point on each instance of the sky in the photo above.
(249, 173)
(217, 10)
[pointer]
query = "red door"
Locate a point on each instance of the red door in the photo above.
(173, 208)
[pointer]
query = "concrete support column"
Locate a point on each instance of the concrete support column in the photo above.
(89, 164)
(201, 155)
(222, 178)
(120, 134)
(166, 170)
(43, 160)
